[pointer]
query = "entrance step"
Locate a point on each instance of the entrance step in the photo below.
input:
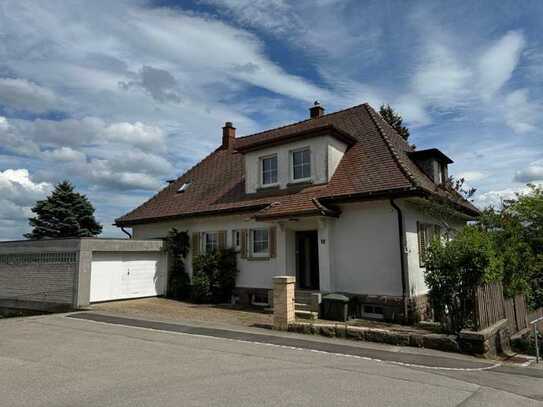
(306, 314)
(302, 307)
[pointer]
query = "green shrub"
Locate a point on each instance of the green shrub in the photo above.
(200, 292)
(177, 245)
(220, 271)
(454, 269)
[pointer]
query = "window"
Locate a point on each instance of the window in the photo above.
(373, 311)
(210, 242)
(260, 245)
(426, 233)
(184, 187)
(260, 299)
(236, 240)
(301, 164)
(269, 170)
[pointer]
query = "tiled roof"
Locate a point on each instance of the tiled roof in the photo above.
(377, 164)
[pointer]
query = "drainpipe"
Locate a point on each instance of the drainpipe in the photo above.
(402, 258)
(126, 232)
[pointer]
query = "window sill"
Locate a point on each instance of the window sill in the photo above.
(302, 182)
(273, 187)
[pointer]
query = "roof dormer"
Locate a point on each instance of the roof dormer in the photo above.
(433, 163)
(292, 159)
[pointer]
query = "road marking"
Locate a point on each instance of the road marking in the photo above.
(404, 364)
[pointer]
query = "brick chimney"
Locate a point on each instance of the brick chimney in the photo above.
(316, 110)
(228, 135)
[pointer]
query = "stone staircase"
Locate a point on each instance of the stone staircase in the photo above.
(306, 304)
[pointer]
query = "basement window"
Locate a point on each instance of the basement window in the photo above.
(373, 311)
(260, 300)
(184, 187)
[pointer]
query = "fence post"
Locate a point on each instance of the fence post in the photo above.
(283, 302)
(536, 344)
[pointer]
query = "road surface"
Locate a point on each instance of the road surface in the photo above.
(57, 360)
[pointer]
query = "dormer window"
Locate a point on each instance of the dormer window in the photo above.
(301, 164)
(269, 170)
(433, 163)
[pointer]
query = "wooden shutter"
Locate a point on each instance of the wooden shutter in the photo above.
(195, 244)
(222, 239)
(272, 240)
(244, 243)
(421, 229)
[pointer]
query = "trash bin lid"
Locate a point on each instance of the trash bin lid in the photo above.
(336, 297)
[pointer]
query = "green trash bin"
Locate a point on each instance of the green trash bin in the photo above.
(335, 307)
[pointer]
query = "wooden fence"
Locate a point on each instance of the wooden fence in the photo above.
(516, 311)
(489, 305)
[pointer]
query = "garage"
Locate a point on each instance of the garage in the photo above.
(66, 274)
(116, 276)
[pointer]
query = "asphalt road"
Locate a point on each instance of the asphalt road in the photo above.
(59, 361)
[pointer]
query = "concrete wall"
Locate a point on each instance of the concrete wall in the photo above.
(326, 153)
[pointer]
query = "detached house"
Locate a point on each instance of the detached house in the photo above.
(339, 200)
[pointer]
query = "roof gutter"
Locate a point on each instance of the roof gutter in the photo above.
(403, 259)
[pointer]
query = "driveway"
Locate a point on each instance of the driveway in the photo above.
(171, 310)
(56, 360)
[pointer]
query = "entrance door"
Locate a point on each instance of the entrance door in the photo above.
(307, 260)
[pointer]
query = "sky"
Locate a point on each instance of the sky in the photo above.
(120, 96)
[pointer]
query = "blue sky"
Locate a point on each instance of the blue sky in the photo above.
(119, 96)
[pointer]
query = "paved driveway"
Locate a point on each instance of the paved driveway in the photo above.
(58, 361)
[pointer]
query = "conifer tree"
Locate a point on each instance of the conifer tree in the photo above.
(395, 120)
(64, 213)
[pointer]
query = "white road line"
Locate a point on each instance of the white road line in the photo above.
(404, 364)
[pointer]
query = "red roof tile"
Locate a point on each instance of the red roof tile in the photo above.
(376, 164)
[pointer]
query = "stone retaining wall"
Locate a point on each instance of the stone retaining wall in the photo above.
(447, 343)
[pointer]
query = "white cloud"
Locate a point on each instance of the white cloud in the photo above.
(521, 114)
(495, 198)
(441, 80)
(497, 63)
(471, 176)
(64, 154)
(17, 188)
(534, 172)
(79, 132)
(22, 94)
(136, 134)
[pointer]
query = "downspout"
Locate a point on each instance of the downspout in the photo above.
(402, 259)
(126, 232)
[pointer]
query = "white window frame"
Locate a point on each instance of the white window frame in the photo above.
(252, 242)
(261, 160)
(204, 241)
(291, 165)
(236, 239)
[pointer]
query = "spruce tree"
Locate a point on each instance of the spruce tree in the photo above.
(64, 213)
(395, 120)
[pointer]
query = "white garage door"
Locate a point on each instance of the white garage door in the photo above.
(116, 276)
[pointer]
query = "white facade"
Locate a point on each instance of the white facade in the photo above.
(326, 153)
(359, 252)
